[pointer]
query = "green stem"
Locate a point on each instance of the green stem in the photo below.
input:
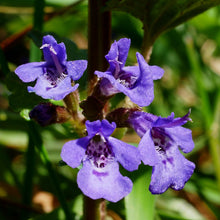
(35, 134)
(30, 168)
(35, 53)
(147, 45)
(29, 174)
(72, 104)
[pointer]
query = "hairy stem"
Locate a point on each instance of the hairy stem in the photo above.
(72, 104)
(99, 36)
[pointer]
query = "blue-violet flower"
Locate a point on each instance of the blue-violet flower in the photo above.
(161, 139)
(134, 81)
(100, 177)
(54, 76)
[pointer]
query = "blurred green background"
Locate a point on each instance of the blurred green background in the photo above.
(190, 55)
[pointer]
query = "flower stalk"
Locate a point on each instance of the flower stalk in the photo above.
(99, 36)
(92, 209)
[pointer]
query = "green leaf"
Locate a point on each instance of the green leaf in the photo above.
(20, 98)
(35, 53)
(140, 202)
(161, 15)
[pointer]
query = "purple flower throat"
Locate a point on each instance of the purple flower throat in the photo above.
(99, 152)
(162, 143)
(126, 79)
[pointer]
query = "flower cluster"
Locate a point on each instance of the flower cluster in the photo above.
(98, 152)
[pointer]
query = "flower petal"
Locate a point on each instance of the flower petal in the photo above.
(30, 71)
(119, 51)
(127, 155)
(107, 128)
(106, 87)
(143, 92)
(93, 127)
(43, 88)
(182, 136)
(106, 183)
(49, 39)
(108, 75)
(132, 70)
(170, 121)
(73, 151)
(157, 72)
(164, 122)
(103, 127)
(141, 121)
(174, 172)
(50, 46)
(46, 42)
(147, 150)
(75, 69)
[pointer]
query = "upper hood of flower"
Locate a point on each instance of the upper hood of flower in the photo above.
(100, 127)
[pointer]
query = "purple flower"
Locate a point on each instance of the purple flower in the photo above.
(54, 76)
(159, 147)
(134, 81)
(100, 154)
(48, 113)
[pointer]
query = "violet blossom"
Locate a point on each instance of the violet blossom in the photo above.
(99, 153)
(134, 81)
(55, 75)
(161, 139)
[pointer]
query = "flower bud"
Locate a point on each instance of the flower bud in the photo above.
(47, 114)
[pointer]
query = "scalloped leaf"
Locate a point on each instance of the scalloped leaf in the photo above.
(161, 15)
